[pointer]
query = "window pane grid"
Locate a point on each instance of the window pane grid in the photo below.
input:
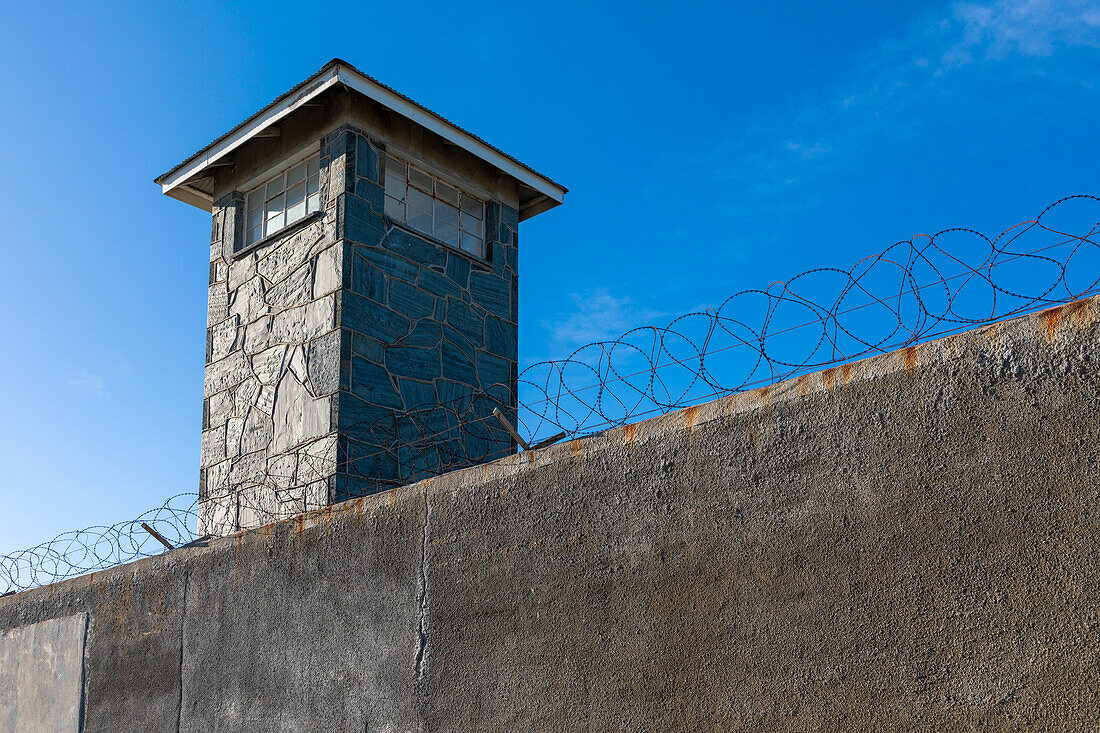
(433, 207)
(285, 198)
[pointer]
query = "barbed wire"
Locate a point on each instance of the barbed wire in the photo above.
(913, 290)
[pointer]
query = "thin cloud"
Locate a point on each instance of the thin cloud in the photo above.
(1032, 28)
(86, 383)
(597, 316)
(782, 151)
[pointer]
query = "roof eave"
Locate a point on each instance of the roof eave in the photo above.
(174, 182)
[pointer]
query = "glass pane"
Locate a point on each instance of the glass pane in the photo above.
(275, 206)
(314, 165)
(395, 183)
(447, 193)
(472, 244)
(254, 234)
(313, 203)
(276, 185)
(446, 214)
(311, 185)
(297, 174)
(255, 217)
(447, 233)
(422, 202)
(395, 209)
(296, 203)
(471, 225)
(393, 165)
(421, 180)
(420, 220)
(274, 223)
(470, 205)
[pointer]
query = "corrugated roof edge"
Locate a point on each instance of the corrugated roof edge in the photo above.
(340, 62)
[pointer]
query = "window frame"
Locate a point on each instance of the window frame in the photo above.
(435, 204)
(258, 185)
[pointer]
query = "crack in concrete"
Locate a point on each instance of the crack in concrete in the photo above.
(422, 594)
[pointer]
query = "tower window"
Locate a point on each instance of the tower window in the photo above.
(434, 207)
(283, 199)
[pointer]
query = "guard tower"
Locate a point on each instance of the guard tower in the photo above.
(363, 303)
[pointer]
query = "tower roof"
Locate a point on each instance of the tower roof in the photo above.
(190, 181)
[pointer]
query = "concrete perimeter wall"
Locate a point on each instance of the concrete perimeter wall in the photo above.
(904, 543)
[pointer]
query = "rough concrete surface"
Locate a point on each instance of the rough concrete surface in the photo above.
(42, 676)
(909, 542)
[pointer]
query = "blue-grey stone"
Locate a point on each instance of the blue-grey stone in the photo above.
(456, 366)
(371, 383)
(490, 292)
(410, 301)
(492, 370)
(513, 309)
(438, 284)
(453, 394)
(360, 222)
(414, 248)
(368, 348)
(458, 269)
(367, 280)
(413, 361)
(370, 193)
(459, 341)
(377, 321)
(389, 263)
(509, 216)
(440, 311)
(501, 338)
(465, 320)
(366, 160)
(416, 394)
(424, 333)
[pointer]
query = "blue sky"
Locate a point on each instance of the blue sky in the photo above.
(708, 146)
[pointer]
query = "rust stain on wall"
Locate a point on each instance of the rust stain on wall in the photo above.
(629, 431)
(910, 357)
(1053, 316)
(690, 414)
(828, 377)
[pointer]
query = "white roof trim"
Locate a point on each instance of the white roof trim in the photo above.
(174, 183)
(276, 112)
(449, 132)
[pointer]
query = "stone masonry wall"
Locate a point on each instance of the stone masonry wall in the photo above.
(422, 325)
(320, 343)
(269, 438)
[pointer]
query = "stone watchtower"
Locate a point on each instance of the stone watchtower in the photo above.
(363, 302)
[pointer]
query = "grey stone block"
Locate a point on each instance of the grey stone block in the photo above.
(490, 292)
(456, 366)
(466, 321)
(410, 301)
(389, 263)
(414, 362)
(324, 363)
(415, 249)
(492, 370)
(372, 383)
(368, 317)
(424, 333)
(416, 394)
